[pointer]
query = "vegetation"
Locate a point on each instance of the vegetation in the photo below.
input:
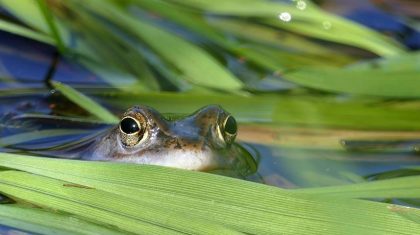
(272, 64)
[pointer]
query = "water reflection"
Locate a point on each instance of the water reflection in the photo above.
(285, 16)
(327, 25)
(301, 5)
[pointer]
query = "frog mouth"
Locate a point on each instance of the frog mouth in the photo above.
(183, 159)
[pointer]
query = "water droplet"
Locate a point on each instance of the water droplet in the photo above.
(301, 5)
(285, 16)
(327, 25)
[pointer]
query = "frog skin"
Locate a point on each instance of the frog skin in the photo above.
(203, 141)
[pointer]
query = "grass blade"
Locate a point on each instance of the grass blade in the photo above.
(85, 102)
(24, 32)
(49, 18)
(395, 84)
(404, 187)
(312, 111)
(306, 19)
(44, 222)
(97, 204)
(245, 206)
(198, 66)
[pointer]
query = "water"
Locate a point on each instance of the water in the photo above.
(289, 155)
(280, 163)
(27, 95)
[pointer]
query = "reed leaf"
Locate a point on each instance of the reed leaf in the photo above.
(125, 193)
(198, 66)
(315, 111)
(394, 84)
(24, 32)
(47, 222)
(85, 102)
(404, 187)
(306, 19)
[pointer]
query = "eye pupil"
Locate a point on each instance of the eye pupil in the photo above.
(129, 126)
(230, 126)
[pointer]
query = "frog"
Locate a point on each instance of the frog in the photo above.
(202, 141)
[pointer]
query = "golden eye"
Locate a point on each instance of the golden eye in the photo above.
(131, 131)
(229, 129)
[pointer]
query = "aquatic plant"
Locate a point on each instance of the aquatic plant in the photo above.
(272, 64)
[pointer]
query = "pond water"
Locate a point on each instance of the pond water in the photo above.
(299, 137)
(289, 150)
(288, 156)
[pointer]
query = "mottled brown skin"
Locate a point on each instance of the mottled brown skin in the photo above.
(196, 142)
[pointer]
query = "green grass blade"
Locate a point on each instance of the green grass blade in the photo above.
(49, 18)
(343, 32)
(308, 20)
(97, 204)
(121, 80)
(85, 102)
(119, 54)
(198, 66)
(237, 204)
(28, 136)
(44, 222)
(29, 12)
(280, 44)
(313, 111)
(396, 84)
(403, 62)
(24, 32)
(404, 187)
(50, 193)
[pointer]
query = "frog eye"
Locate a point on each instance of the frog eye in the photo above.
(131, 131)
(229, 129)
(230, 126)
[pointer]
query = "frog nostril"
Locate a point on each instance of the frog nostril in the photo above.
(129, 125)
